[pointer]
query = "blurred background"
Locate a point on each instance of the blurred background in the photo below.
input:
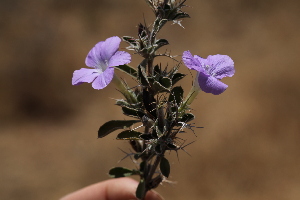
(249, 148)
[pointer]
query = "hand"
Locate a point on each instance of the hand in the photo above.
(113, 189)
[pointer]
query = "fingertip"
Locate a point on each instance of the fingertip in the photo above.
(153, 195)
(113, 189)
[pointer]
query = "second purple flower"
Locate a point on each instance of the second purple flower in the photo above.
(210, 71)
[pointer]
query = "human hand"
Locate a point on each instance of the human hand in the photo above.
(113, 189)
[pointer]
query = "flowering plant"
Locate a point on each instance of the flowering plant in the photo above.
(156, 102)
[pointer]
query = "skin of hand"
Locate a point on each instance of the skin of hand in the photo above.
(113, 189)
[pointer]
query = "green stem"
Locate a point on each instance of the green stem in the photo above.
(150, 67)
(190, 97)
(151, 172)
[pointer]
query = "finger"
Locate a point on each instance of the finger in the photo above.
(113, 189)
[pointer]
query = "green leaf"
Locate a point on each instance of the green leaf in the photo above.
(165, 167)
(141, 189)
(177, 77)
(113, 125)
(166, 82)
(162, 23)
(118, 172)
(187, 117)
(176, 95)
(129, 39)
(132, 112)
(129, 135)
(181, 15)
(157, 87)
(161, 42)
(122, 103)
(127, 69)
(157, 70)
(149, 103)
(148, 136)
(142, 77)
(158, 132)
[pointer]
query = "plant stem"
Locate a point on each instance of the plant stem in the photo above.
(150, 66)
(150, 174)
(190, 97)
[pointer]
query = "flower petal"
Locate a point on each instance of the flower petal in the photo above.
(191, 62)
(103, 79)
(110, 47)
(210, 84)
(119, 58)
(94, 58)
(84, 75)
(221, 66)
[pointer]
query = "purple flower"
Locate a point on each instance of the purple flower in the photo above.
(102, 58)
(210, 71)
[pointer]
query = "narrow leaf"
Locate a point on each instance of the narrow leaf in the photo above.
(142, 77)
(165, 167)
(176, 95)
(166, 82)
(187, 117)
(158, 132)
(128, 70)
(181, 15)
(113, 125)
(147, 136)
(122, 102)
(141, 189)
(161, 42)
(177, 77)
(118, 172)
(129, 39)
(129, 135)
(149, 103)
(157, 87)
(157, 70)
(132, 112)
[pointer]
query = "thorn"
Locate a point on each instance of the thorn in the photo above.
(127, 155)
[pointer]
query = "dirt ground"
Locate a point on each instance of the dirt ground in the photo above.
(249, 148)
